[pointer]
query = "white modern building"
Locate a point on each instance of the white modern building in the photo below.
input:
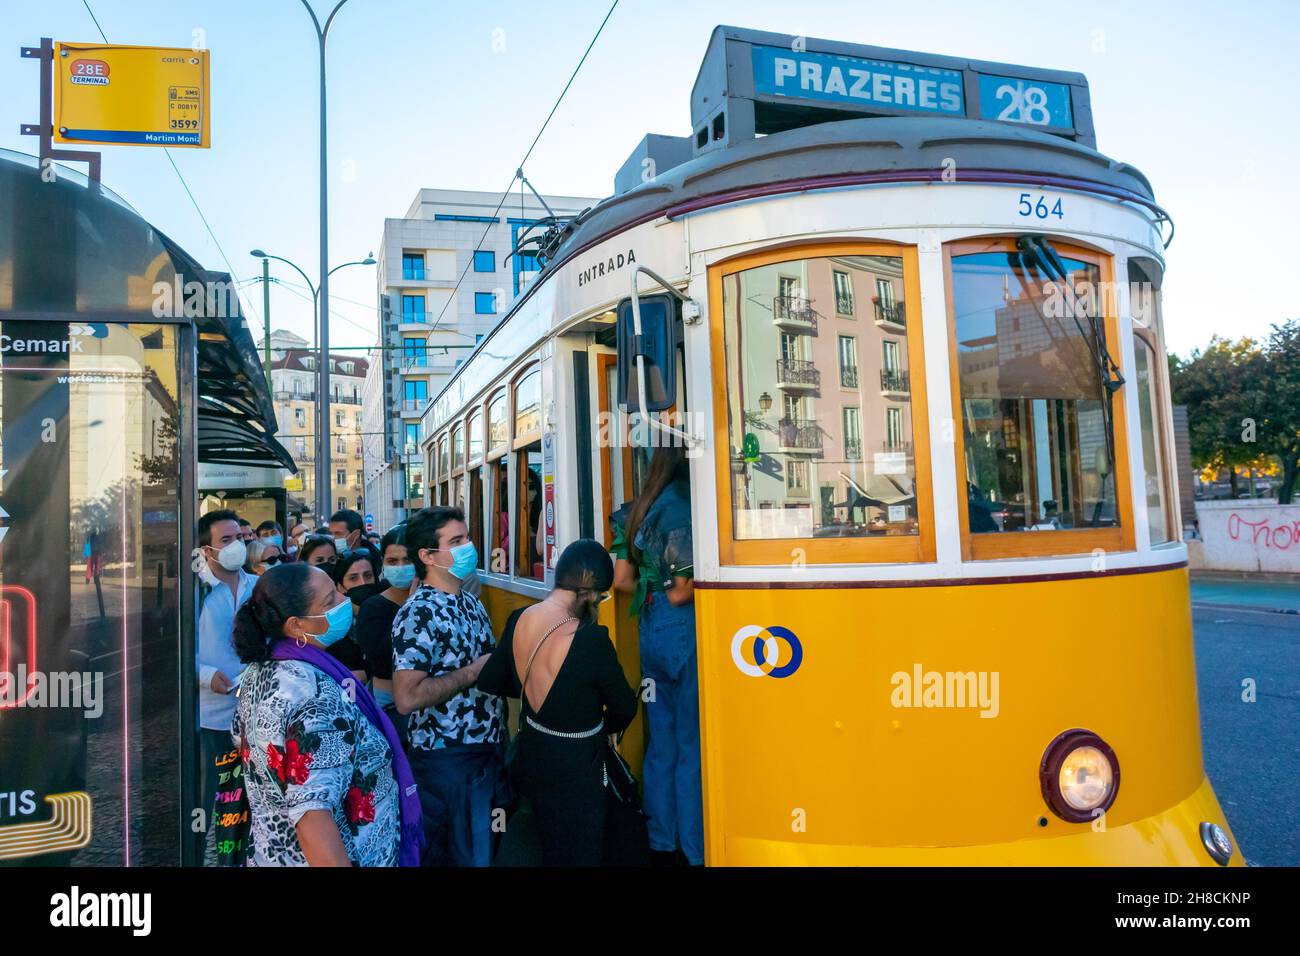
(446, 275)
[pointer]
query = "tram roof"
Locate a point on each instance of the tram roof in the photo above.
(850, 152)
(102, 262)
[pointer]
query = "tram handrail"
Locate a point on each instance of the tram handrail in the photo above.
(691, 440)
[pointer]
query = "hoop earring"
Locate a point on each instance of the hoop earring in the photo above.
(301, 640)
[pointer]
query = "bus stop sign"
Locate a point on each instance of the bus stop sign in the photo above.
(134, 95)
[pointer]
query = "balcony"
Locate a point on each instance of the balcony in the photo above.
(853, 450)
(843, 304)
(848, 376)
(345, 399)
(895, 382)
(798, 436)
(794, 313)
(797, 375)
(413, 406)
(415, 362)
(896, 446)
(890, 315)
(286, 395)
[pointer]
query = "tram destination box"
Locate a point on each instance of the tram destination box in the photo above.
(753, 83)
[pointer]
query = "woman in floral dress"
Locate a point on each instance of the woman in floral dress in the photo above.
(318, 767)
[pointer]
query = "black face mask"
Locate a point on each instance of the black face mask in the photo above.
(362, 592)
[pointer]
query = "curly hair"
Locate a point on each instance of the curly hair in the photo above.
(284, 591)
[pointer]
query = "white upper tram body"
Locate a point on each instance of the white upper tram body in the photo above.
(591, 275)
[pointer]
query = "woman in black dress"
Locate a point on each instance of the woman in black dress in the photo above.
(575, 699)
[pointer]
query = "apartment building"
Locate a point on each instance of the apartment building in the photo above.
(446, 275)
(293, 391)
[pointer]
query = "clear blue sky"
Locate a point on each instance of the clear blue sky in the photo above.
(1200, 96)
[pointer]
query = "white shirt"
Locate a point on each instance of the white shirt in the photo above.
(216, 651)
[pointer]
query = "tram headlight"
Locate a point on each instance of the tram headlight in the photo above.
(1079, 776)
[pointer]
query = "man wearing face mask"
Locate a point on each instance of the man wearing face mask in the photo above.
(221, 566)
(442, 637)
(347, 528)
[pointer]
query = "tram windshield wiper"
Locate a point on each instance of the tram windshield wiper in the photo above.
(1036, 250)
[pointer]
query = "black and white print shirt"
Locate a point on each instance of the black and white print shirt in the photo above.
(438, 633)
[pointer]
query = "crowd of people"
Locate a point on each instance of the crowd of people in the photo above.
(360, 680)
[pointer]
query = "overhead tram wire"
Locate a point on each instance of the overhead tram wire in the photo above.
(519, 168)
(186, 186)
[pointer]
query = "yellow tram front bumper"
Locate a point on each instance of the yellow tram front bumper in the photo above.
(1170, 838)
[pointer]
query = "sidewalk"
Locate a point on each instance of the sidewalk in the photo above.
(1235, 590)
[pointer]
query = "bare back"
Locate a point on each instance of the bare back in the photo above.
(530, 630)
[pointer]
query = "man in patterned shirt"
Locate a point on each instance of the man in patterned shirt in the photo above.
(442, 637)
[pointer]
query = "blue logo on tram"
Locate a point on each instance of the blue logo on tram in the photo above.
(757, 651)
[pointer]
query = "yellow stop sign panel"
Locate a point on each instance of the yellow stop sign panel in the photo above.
(132, 95)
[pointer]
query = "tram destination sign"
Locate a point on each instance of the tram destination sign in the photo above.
(132, 95)
(906, 87)
(752, 83)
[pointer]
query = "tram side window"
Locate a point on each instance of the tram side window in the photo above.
(474, 512)
(528, 554)
(1039, 453)
(816, 452)
(499, 475)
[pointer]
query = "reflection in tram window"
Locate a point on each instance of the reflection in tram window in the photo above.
(498, 425)
(819, 408)
(1038, 456)
(1153, 459)
(528, 404)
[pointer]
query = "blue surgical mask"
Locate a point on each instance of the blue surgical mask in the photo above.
(399, 576)
(464, 560)
(341, 546)
(275, 539)
(339, 619)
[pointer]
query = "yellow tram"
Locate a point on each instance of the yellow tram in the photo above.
(907, 319)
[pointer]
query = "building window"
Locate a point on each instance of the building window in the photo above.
(412, 438)
(361, 479)
(485, 303)
(415, 353)
(299, 414)
(894, 429)
(852, 433)
(796, 477)
(338, 417)
(412, 265)
(299, 448)
(340, 477)
(848, 361)
(415, 393)
(843, 292)
(308, 362)
(343, 504)
(413, 308)
(485, 261)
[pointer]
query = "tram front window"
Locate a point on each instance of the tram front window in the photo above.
(1034, 422)
(819, 399)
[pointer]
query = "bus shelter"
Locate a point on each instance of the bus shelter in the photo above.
(123, 364)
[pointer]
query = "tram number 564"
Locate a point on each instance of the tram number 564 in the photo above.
(1039, 209)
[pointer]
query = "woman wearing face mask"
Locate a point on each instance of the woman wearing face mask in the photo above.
(326, 779)
(573, 696)
(354, 577)
(318, 549)
(375, 621)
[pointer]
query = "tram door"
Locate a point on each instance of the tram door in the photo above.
(625, 456)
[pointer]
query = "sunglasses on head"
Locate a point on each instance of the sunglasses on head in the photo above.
(273, 559)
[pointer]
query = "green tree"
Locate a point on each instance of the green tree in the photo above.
(1278, 403)
(1221, 387)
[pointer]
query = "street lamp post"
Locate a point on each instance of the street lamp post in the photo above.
(323, 375)
(320, 347)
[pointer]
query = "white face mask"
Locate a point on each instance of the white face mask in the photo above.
(233, 555)
(341, 546)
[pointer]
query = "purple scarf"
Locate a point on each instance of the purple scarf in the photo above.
(412, 832)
